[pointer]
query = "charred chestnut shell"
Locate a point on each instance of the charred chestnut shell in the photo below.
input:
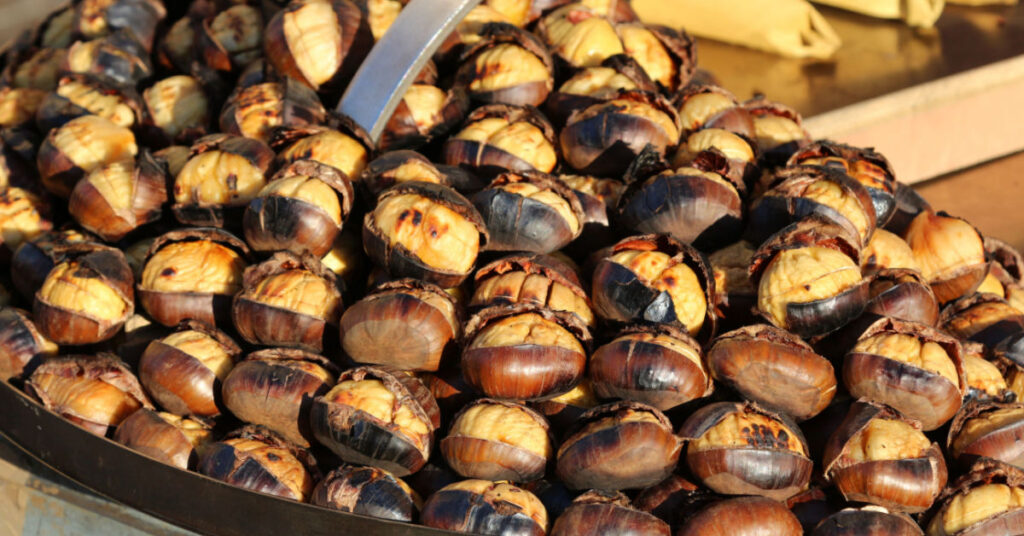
(394, 167)
(256, 459)
(743, 516)
(488, 159)
(778, 130)
(529, 212)
(79, 94)
(601, 512)
(255, 111)
(167, 438)
(987, 430)
(22, 346)
(904, 295)
(500, 43)
(230, 39)
(484, 507)
(425, 113)
(867, 521)
(984, 318)
(368, 491)
(35, 257)
(478, 445)
(864, 165)
(111, 218)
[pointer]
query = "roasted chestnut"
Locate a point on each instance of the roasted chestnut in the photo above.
(601, 512)
(224, 173)
(538, 279)
(579, 36)
(984, 379)
(886, 250)
(507, 65)
(524, 352)
(184, 370)
(94, 392)
(192, 274)
(743, 516)
(117, 57)
(80, 94)
(256, 459)
(179, 106)
(529, 212)
(709, 106)
(867, 521)
(495, 440)
(673, 500)
(115, 199)
(736, 296)
(368, 491)
(866, 166)
(915, 369)
(93, 18)
(377, 416)
(18, 148)
(39, 69)
(347, 151)
(499, 137)
(667, 55)
(79, 147)
(949, 251)
(485, 507)
(984, 318)
(394, 167)
(23, 216)
(774, 368)
(232, 38)
(164, 437)
(990, 430)
(622, 445)
(989, 500)
(591, 85)
(256, 110)
(425, 113)
(904, 295)
(565, 409)
(22, 346)
(34, 259)
(778, 130)
(740, 155)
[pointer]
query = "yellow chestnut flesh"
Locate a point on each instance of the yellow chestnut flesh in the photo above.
(329, 147)
(425, 103)
(804, 275)
(745, 429)
(177, 103)
(520, 139)
(885, 439)
(887, 250)
(91, 400)
(991, 285)
(20, 218)
(295, 477)
(656, 270)
(638, 109)
(583, 42)
(510, 425)
(527, 328)
(983, 376)
(91, 141)
(731, 145)
(381, 15)
(96, 101)
(912, 351)
(978, 504)
(198, 266)
(984, 424)
(218, 178)
(309, 189)
(372, 397)
(437, 235)
(549, 198)
(772, 131)
(18, 105)
(204, 348)
(296, 290)
(943, 245)
(239, 29)
(647, 50)
(593, 80)
(503, 492)
(314, 40)
(507, 65)
(845, 203)
(701, 107)
(70, 287)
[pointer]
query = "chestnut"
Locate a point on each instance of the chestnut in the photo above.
(184, 370)
(407, 323)
(909, 204)
(739, 154)
(673, 500)
(275, 387)
(538, 279)
(39, 69)
(348, 150)
(887, 250)
(115, 199)
(256, 459)
(23, 216)
(394, 167)
(94, 392)
(177, 47)
(500, 137)
(988, 429)
(232, 38)
(601, 512)
(915, 369)
(867, 521)
(426, 231)
(18, 106)
(984, 318)
(81, 94)
(529, 212)
(579, 36)
(654, 278)
(667, 55)
(735, 295)
(485, 507)
(595, 84)
(79, 147)
(743, 516)
(655, 364)
(984, 379)
(710, 106)
(879, 457)
(255, 110)
(164, 437)
(368, 491)
(175, 156)
(94, 18)
(987, 500)
(949, 251)
(774, 368)
(565, 409)
(778, 130)
(622, 445)
(22, 346)
(902, 294)
(377, 416)
(222, 175)
(507, 65)
(118, 57)
(18, 148)
(864, 165)
(425, 113)
(495, 440)
(36, 256)
(524, 352)
(192, 274)
(180, 107)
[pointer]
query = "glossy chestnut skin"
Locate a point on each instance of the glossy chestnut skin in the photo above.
(867, 521)
(482, 450)
(1004, 521)
(760, 461)
(916, 392)
(901, 484)
(404, 165)
(600, 512)
(774, 368)
(517, 221)
(987, 429)
(488, 160)
(183, 383)
(904, 295)
(864, 165)
(484, 507)
(475, 63)
(360, 437)
(105, 217)
(22, 346)
(274, 222)
(542, 280)
(984, 318)
(950, 252)
(167, 438)
(514, 367)
(256, 459)
(743, 516)
(655, 364)
(622, 445)
(95, 392)
(368, 491)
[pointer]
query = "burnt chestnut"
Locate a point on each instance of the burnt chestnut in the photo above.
(988, 429)
(949, 251)
(22, 346)
(407, 323)
(902, 294)
(485, 507)
(256, 459)
(79, 147)
(426, 231)
(192, 274)
(184, 370)
(598, 83)
(529, 212)
(500, 137)
(80, 94)
(179, 106)
(347, 149)
(864, 165)
(164, 437)
(377, 416)
(879, 457)
(256, 110)
(743, 516)
(867, 521)
(507, 65)
(524, 352)
(495, 440)
(601, 512)
(988, 500)
(368, 491)
(537, 279)
(425, 113)
(222, 175)
(655, 364)
(230, 39)
(622, 445)
(984, 318)
(915, 369)
(565, 409)
(115, 199)
(94, 392)
(774, 368)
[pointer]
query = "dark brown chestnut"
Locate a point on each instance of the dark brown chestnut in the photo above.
(36, 256)
(867, 521)
(864, 165)
(529, 212)
(743, 516)
(425, 113)
(988, 500)
(22, 346)
(394, 167)
(164, 437)
(93, 18)
(485, 507)
(541, 280)
(902, 294)
(735, 295)
(739, 154)
(988, 429)
(23, 216)
(256, 459)
(673, 500)
(232, 38)
(500, 137)
(79, 147)
(115, 199)
(507, 65)
(949, 251)
(984, 318)
(495, 440)
(565, 409)
(222, 175)
(256, 110)
(601, 512)
(118, 57)
(368, 491)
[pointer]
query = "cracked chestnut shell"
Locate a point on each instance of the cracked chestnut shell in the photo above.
(985, 381)
(565, 409)
(22, 346)
(595, 84)
(93, 18)
(988, 429)
(529, 212)
(35, 257)
(655, 364)
(541, 280)
(778, 130)
(950, 252)
(424, 230)
(485, 507)
(743, 516)
(507, 65)
(368, 491)
(904, 295)
(915, 369)
(394, 167)
(407, 323)
(864, 165)
(774, 368)
(673, 500)
(524, 352)
(81, 94)
(118, 57)
(602, 512)
(344, 146)
(165, 437)
(179, 107)
(740, 449)
(23, 216)
(222, 175)
(878, 456)
(257, 459)
(739, 153)
(79, 147)
(184, 370)
(377, 416)
(230, 39)
(622, 445)
(735, 295)
(192, 274)
(988, 500)
(275, 388)
(114, 200)
(95, 392)
(256, 110)
(710, 106)
(496, 440)
(984, 318)
(867, 521)
(500, 137)
(887, 250)
(425, 113)
(654, 278)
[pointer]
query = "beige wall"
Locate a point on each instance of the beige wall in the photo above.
(18, 14)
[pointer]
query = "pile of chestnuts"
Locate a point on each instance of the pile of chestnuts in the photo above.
(577, 288)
